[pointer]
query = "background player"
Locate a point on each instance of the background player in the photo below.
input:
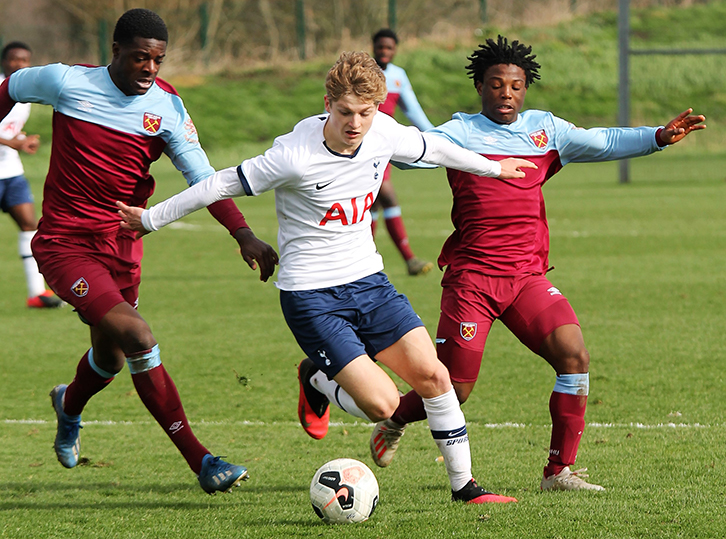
(16, 198)
(494, 269)
(110, 124)
(400, 93)
(336, 300)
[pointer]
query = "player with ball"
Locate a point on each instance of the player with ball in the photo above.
(335, 297)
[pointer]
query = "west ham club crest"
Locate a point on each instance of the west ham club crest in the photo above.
(80, 287)
(467, 330)
(539, 138)
(152, 122)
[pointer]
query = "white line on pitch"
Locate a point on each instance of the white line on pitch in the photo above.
(506, 425)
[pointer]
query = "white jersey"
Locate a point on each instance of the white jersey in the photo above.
(10, 127)
(323, 199)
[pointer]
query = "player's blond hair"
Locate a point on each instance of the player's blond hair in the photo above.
(356, 73)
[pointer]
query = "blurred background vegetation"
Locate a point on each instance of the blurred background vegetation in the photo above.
(249, 83)
(212, 34)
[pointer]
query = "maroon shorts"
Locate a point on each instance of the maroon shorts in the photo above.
(529, 305)
(92, 273)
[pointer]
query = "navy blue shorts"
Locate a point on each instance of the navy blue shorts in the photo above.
(14, 191)
(335, 325)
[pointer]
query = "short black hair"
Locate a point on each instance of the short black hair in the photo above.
(385, 32)
(500, 52)
(13, 45)
(140, 23)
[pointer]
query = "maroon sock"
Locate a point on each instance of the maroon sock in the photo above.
(397, 231)
(84, 386)
(410, 409)
(159, 395)
(568, 422)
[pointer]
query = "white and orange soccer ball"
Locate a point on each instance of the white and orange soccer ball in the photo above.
(344, 490)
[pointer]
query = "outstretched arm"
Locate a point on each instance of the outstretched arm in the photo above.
(440, 151)
(222, 185)
(680, 126)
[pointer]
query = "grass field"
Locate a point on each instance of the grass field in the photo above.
(642, 264)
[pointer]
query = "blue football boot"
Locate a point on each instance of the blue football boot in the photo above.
(219, 476)
(67, 438)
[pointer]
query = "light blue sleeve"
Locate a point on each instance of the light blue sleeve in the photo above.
(42, 84)
(184, 150)
(411, 107)
(455, 130)
(577, 145)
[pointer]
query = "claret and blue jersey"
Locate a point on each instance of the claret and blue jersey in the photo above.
(400, 93)
(501, 225)
(104, 143)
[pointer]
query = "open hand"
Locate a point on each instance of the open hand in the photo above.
(682, 125)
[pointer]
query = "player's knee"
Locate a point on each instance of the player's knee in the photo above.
(382, 409)
(137, 338)
(576, 362)
(582, 360)
(431, 380)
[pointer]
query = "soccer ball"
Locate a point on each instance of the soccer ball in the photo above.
(344, 490)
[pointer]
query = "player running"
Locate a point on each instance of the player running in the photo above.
(336, 300)
(400, 93)
(110, 123)
(497, 257)
(15, 196)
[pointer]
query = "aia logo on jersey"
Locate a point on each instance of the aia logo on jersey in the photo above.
(80, 287)
(539, 138)
(339, 210)
(467, 330)
(152, 122)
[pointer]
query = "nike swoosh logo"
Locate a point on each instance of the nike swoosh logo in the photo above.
(320, 186)
(457, 433)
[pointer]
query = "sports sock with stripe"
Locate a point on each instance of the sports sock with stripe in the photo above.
(336, 395)
(567, 409)
(160, 396)
(397, 231)
(89, 380)
(448, 427)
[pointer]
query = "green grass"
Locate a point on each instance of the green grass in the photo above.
(642, 264)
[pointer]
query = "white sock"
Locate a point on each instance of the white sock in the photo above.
(33, 278)
(448, 427)
(336, 395)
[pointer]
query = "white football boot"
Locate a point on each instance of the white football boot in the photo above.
(569, 480)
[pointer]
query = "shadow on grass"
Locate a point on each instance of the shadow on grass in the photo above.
(107, 495)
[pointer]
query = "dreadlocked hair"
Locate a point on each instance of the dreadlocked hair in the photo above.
(501, 52)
